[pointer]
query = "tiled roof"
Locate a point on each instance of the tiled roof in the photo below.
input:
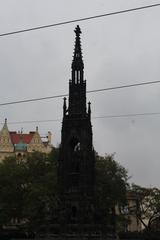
(16, 137)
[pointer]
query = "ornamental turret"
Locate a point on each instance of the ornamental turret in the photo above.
(77, 63)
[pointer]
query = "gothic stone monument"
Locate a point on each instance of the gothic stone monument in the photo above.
(77, 158)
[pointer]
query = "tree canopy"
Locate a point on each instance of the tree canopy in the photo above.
(111, 187)
(148, 210)
(29, 188)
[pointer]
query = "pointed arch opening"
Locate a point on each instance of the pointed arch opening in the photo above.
(75, 144)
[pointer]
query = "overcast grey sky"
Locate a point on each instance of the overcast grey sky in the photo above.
(121, 49)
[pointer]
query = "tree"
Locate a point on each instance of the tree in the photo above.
(148, 210)
(12, 189)
(111, 186)
(28, 189)
(40, 199)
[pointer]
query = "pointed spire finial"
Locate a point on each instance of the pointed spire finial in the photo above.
(89, 109)
(77, 31)
(77, 63)
(5, 123)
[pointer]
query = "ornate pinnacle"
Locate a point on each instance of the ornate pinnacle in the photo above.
(64, 107)
(77, 31)
(77, 63)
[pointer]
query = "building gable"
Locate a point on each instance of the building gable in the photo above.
(20, 144)
(36, 143)
(5, 140)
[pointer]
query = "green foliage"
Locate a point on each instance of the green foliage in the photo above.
(148, 210)
(11, 189)
(28, 188)
(111, 185)
(41, 196)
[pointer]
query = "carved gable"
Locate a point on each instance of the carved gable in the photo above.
(36, 144)
(5, 140)
(14, 143)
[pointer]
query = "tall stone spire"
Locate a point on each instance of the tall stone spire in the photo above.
(77, 160)
(77, 63)
(77, 85)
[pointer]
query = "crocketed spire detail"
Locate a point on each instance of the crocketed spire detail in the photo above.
(77, 63)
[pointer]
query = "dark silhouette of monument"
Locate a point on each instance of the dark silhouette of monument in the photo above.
(76, 170)
(77, 160)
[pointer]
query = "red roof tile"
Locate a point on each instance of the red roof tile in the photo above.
(16, 137)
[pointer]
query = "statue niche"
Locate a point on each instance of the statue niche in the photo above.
(75, 148)
(75, 144)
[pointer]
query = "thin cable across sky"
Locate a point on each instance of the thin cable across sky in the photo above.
(79, 20)
(116, 116)
(90, 91)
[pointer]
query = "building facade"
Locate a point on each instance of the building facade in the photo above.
(131, 221)
(20, 144)
(134, 224)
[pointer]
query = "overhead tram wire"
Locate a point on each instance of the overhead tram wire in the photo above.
(145, 114)
(90, 91)
(129, 115)
(79, 20)
(123, 86)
